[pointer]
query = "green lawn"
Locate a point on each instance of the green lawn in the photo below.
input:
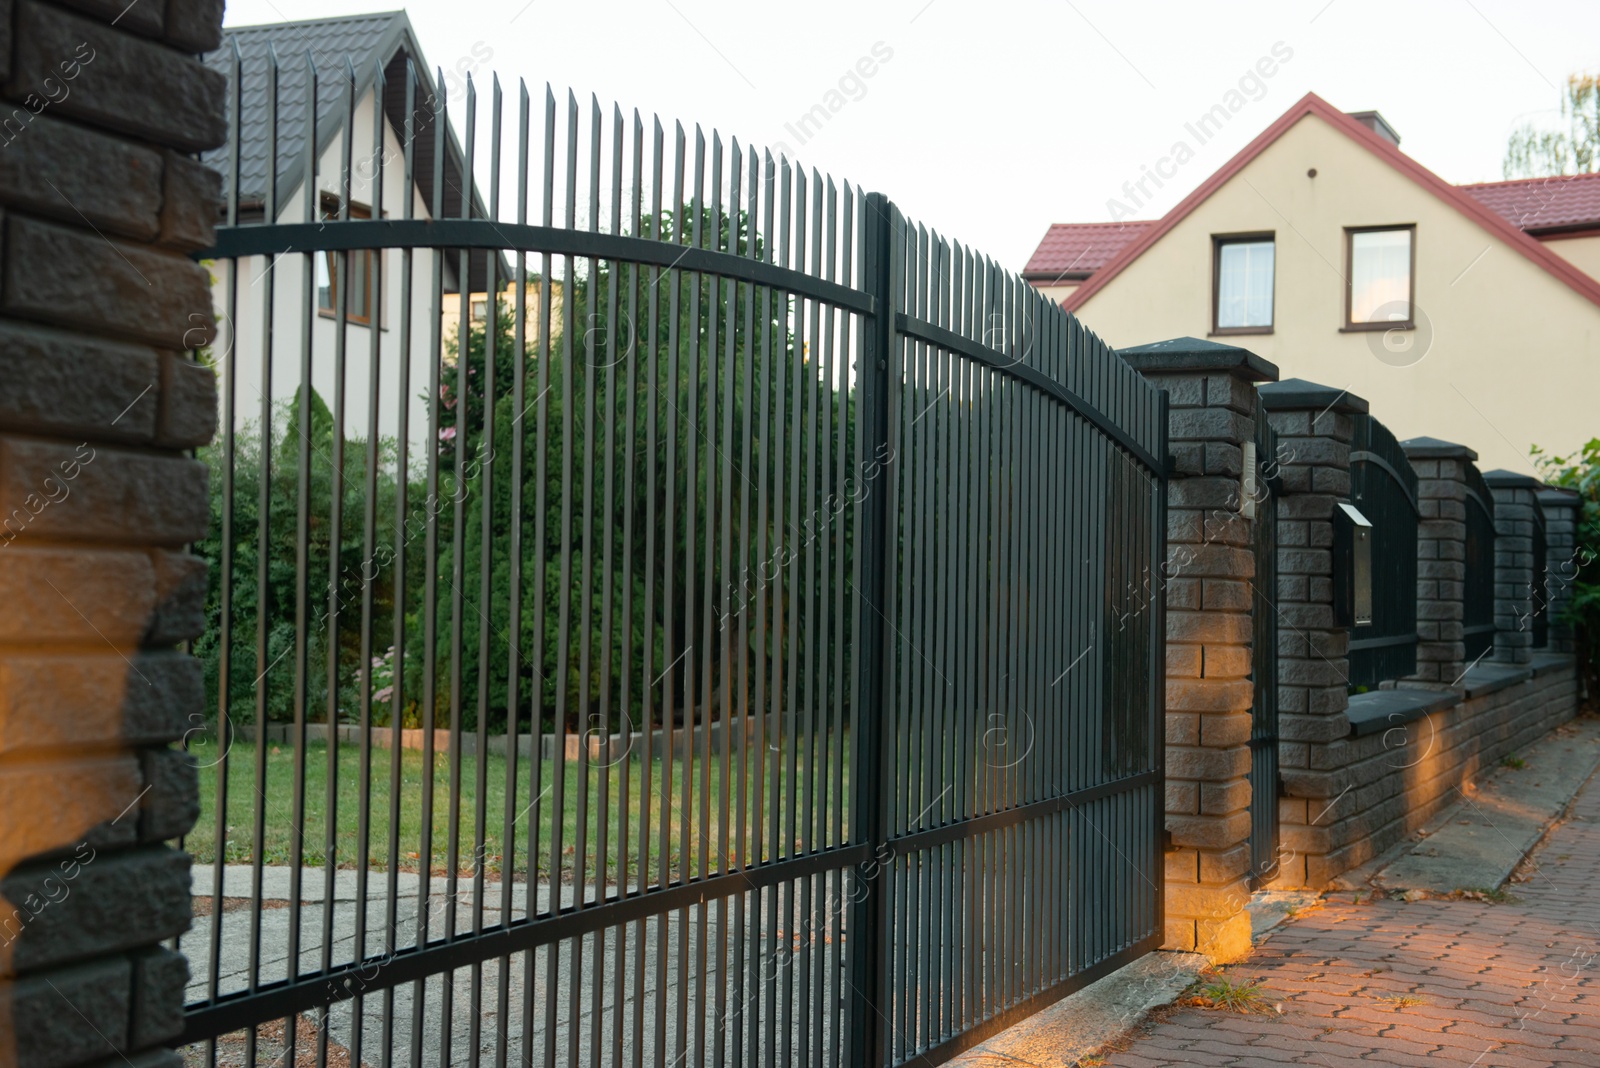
(243, 799)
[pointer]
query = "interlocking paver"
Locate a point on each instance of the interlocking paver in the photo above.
(1512, 985)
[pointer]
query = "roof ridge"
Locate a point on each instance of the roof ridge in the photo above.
(1528, 181)
(1312, 104)
(282, 24)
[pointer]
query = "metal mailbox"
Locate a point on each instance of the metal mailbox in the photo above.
(1352, 567)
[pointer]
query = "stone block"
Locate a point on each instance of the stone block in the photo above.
(127, 84)
(42, 171)
(60, 700)
(105, 495)
(188, 402)
(171, 802)
(68, 1016)
(194, 25)
(180, 598)
(71, 386)
(190, 199)
(119, 900)
(104, 286)
(75, 595)
(159, 978)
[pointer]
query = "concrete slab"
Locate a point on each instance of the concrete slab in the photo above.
(1079, 1024)
(1476, 843)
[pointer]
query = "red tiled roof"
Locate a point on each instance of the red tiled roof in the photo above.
(1311, 104)
(1543, 205)
(1075, 250)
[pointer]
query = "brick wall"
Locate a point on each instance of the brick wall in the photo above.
(1209, 573)
(1515, 596)
(1441, 468)
(1398, 769)
(1561, 508)
(1314, 431)
(101, 102)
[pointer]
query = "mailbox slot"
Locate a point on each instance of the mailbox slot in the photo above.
(1352, 567)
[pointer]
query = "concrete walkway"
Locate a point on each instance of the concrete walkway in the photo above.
(1430, 981)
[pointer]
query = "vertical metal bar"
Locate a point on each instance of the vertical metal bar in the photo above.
(670, 678)
(626, 702)
(430, 571)
(302, 569)
(463, 428)
(342, 277)
(604, 525)
(868, 922)
(541, 638)
(402, 537)
(518, 434)
(486, 449)
(230, 392)
(263, 550)
(564, 597)
(724, 294)
(580, 858)
(369, 537)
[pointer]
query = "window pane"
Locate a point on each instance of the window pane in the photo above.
(1380, 276)
(1244, 284)
(324, 283)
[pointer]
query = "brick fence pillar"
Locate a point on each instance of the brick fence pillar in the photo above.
(1210, 565)
(1314, 428)
(1561, 562)
(100, 206)
(1441, 468)
(1515, 498)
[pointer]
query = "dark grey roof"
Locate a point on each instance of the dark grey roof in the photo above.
(366, 43)
(360, 40)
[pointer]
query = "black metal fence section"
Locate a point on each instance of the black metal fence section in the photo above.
(736, 644)
(1262, 488)
(1383, 486)
(1478, 590)
(1539, 597)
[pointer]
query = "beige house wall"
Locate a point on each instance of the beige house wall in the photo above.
(1584, 252)
(1510, 351)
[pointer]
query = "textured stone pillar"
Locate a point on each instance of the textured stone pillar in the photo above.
(1210, 565)
(1561, 513)
(1314, 431)
(100, 400)
(1515, 498)
(1441, 468)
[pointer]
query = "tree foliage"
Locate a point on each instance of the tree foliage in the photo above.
(1532, 152)
(1580, 472)
(594, 468)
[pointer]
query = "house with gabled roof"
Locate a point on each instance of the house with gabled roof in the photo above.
(373, 82)
(1469, 312)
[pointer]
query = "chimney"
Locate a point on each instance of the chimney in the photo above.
(1375, 122)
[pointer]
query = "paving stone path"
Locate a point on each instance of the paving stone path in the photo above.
(1514, 985)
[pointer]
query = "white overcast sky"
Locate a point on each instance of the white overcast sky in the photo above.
(992, 120)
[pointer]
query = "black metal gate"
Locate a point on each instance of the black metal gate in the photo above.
(1384, 486)
(1261, 488)
(773, 673)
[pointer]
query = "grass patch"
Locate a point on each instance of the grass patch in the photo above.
(585, 796)
(1495, 896)
(1511, 760)
(1402, 1001)
(1218, 990)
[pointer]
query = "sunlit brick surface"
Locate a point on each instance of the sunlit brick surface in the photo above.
(1501, 986)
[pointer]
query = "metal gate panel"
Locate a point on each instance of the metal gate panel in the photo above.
(1262, 488)
(773, 666)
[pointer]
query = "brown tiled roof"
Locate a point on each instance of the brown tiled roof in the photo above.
(1543, 205)
(1073, 251)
